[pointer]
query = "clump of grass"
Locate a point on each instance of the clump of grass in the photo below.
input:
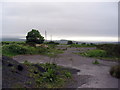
(95, 62)
(115, 71)
(68, 74)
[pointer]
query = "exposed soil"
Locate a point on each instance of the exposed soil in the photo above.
(89, 76)
(18, 75)
(15, 75)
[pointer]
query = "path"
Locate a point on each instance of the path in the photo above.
(95, 76)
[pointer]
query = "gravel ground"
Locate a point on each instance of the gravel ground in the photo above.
(90, 75)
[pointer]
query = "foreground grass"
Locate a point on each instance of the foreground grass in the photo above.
(48, 75)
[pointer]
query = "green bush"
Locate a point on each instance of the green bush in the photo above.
(115, 71)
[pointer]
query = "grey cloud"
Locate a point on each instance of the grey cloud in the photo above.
(61, 19)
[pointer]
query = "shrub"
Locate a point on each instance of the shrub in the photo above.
(115, 71)
(111, 49)
(34, 37)
(95, 62)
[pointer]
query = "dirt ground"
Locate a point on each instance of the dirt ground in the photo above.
(90, 75)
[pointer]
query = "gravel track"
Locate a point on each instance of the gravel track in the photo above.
(90, 75)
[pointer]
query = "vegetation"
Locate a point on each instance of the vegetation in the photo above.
(16, 49)
(95, 53)
(52, 42)
(104, 51)
(115, 71)
(49, 76)
(82, 45)
(96, 62)
(13, 42)
(111, 49)
(34, 37)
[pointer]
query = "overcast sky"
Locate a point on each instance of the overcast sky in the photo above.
(63, 20)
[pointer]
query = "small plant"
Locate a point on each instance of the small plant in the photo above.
(96, 62)
(27, 63)
(115, 71)
(68, 74)
(50, 66)
(50, 75)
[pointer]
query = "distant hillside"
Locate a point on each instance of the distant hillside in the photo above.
(12, 39)
(62, 41)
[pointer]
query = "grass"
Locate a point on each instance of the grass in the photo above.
(16, 49)
(99, 54)
(53, 77)
(53, 52)
(95, 62)
(95, 53)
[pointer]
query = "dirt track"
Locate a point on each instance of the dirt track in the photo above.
(90, 75)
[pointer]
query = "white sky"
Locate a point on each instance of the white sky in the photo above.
(60, 0)
(96, 20)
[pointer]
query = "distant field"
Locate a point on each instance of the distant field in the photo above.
(10, 48)
(104, 51)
